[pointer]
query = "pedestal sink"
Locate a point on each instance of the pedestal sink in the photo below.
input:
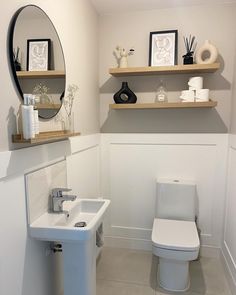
(78, 243)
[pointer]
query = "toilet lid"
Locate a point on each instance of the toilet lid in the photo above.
(175, 235)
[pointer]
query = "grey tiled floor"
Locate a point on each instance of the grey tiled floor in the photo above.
(129, 272)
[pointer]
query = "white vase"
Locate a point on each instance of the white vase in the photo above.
(123, 62)
(69, 124)
(44, 99)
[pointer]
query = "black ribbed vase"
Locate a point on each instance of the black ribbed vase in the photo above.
(125, 95)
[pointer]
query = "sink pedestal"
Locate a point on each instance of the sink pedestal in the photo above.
(79, 267)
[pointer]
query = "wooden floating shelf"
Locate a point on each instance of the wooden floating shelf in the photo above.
(44, 137)
(163, 105)
(178, 69)
(40, 106)
(40, 74)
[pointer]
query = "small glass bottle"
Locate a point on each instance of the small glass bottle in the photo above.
(161, 93)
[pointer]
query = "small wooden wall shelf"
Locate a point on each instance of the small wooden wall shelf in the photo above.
(48, 106)
(44, 137)
(178, 69)
(40, 74)
(163, 105)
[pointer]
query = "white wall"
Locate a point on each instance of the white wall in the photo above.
(130, 165)
(233, 103)
(129, 29)
(76, 23)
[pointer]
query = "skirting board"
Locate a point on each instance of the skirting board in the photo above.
(226, 261)
(146, 245)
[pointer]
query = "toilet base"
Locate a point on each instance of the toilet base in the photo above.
(173, 275)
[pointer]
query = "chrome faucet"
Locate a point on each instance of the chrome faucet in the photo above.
(57, 199)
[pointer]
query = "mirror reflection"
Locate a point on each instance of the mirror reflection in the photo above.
(37, 59)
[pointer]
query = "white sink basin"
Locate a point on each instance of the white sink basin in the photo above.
(61, 228)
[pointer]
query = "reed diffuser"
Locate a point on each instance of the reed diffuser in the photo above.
(16, 59)
(190, 46)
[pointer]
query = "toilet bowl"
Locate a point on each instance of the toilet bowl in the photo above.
(174, 238)
(176, 243)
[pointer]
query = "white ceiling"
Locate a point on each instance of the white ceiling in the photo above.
(117, 6)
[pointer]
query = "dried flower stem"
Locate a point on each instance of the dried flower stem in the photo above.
(69, 99)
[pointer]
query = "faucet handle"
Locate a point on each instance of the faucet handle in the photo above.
(57, 192)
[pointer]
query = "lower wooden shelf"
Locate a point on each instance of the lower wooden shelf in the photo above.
(44, 137)
(164, 105)
(48, 106)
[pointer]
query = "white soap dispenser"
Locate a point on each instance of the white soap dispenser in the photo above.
(28, 118)
(36, 115)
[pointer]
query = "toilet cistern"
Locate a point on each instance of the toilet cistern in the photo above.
(58, 198)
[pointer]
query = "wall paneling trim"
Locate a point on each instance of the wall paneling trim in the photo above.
(132, 162)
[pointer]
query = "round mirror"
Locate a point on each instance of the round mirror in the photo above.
(37, 59)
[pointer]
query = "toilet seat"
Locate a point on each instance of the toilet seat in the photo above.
(176, 235)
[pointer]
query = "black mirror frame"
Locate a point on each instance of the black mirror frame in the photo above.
(10, 53)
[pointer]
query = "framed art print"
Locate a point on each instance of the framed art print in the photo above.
(38, 54)
(163, 48)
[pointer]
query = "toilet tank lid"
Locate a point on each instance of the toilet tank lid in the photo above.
(175, 181)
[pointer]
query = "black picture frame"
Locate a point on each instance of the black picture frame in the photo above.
(38, 54)
(163, 48)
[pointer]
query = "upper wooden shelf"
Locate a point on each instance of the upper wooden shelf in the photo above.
(164, 105)
(178, 69)
(44, 137)
(40, 74)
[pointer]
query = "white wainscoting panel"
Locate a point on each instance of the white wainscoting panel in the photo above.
(132, 162)
(229, 243)
(83, 166)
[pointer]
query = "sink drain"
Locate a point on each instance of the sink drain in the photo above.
(80, 224)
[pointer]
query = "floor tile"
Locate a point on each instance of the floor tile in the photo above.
(207, 275)
(105, 287)
(127, 266)
(123, 271)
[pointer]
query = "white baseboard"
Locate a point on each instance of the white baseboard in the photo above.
(146, 245)
(127, 243)
(229, 267)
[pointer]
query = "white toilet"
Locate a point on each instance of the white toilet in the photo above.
(174, 234)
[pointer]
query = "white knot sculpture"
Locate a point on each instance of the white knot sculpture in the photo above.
(207, 47)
